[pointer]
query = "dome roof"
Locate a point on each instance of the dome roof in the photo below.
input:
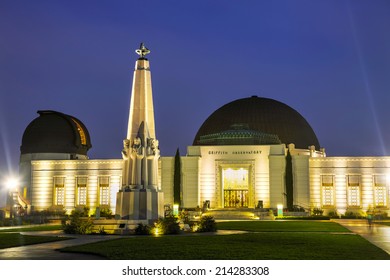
(260, 114)
(55, 132)
(239, 134)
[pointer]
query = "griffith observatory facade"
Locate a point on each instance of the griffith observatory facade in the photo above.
(252, 153)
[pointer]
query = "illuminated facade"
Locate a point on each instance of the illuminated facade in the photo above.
(241, 157)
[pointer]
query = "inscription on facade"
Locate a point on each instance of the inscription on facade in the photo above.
(253, 152)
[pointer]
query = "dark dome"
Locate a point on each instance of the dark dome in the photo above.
(55, 132)
(260, 114)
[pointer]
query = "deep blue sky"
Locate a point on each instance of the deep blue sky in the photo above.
(329, 60)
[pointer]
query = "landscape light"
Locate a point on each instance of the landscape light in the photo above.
(176, 210)
(280, 210)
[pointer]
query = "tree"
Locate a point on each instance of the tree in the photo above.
(177, 179)
(289, 182)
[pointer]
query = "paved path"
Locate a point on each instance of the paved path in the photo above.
(48, 251)
(377, 234)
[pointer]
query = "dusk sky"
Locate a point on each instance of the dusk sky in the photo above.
(329, 60)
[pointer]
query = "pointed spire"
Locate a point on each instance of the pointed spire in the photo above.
(141, 145)
(142, 51)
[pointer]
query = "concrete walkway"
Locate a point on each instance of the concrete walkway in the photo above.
(48, 251)
(377, 234)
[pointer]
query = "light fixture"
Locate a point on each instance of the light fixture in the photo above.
(280, 210)
(176, 210)
(11, 183)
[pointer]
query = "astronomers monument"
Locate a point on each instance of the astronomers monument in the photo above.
(140, 197)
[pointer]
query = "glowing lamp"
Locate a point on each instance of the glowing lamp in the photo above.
(280, 210)
(11, 183)
(175, 210)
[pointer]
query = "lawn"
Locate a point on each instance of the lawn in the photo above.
(8, 240)
(278, 226)
(292, 240)
(33, 228)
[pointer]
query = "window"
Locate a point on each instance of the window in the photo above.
(380, 191)
(353, 190)
(380, 196)
(59, 191)
(81, 132)
(235, 178)
(104, 191)
(327, 190)
(81, 191)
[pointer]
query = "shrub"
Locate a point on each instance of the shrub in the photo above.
(352, 215)
(142, 229)
(207, 224)
(333, 214)
(184, 216)
(77, 224)
(167, 225)
(104, 212)
(318, 212)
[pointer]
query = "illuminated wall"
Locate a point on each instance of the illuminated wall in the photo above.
(57, 184)
(349, 183)
(331, 183)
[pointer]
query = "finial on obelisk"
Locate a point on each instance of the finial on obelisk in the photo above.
(142, 51)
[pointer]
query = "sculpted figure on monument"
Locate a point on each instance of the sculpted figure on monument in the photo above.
(152, 156)
(137, 154)
(152, 147)
(126, 147)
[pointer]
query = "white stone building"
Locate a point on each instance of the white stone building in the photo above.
(239, 159)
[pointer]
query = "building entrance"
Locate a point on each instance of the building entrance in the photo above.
(235, 187)
(235, 198)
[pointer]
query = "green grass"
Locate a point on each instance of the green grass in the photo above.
(33, 228)
(269, 240)
(283, 226)
(274, 246)
(8, 240)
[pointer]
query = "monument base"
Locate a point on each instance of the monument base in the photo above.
(139, 204)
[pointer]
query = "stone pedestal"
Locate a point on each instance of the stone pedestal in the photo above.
(140, 204)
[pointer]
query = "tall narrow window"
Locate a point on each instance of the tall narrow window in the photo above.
(353, 190)
(380, 191)
(82, 191)
(59, 190)
(327, 190)
(81, 132)
(104, 191)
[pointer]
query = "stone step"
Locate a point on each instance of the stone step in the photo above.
(231, 214)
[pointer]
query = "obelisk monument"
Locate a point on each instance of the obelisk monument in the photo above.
(140, 197)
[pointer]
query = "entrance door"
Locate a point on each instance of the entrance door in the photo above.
(235, 198)
(235, 182)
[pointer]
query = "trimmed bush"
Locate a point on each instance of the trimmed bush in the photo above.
(142, 229)
(318, 212)
(167, 225)
(77, 224)
(207, 224)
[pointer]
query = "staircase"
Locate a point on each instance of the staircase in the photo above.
(233, 214)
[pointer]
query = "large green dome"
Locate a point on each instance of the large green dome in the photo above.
(259, 114)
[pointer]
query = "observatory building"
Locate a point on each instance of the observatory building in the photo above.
(252, 153)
